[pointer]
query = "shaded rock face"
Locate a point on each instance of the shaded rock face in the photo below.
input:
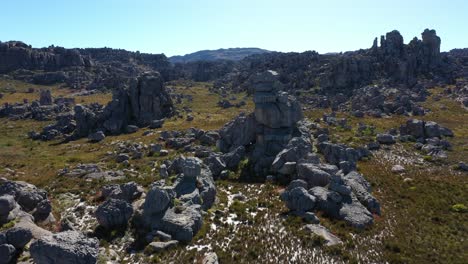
(69, 247)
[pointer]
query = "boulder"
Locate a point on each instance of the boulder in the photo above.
(298, 199)
(181, 222)
(114, 213)
(97, 136)
(312, 175)
(157, 247)
(129, 191)
(386, 139)
(319, 230)
(69, 247)
(157, 201)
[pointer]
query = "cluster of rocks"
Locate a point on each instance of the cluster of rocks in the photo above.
(91, 171)
(26, 205)
(327, 189)
(428, 135)
(91, 68)
(272, 125)
(381, 100)
(45, 109)
(174, 211)
(227, 104)
(143, 103)
(278, 143)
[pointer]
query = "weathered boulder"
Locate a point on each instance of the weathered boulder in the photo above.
(157, 200)
(128, 191)
(312, 175)
(97, 136)
(114, 213)
(181, 222)
(238, 132)
(69, 247)
(157, 247)
(385, 139)
(319, 230)
(28, 196)
(298, 199)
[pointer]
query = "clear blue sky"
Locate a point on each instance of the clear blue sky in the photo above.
(177, 27)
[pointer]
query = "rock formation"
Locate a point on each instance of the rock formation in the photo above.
(270, 127)
(145, 101)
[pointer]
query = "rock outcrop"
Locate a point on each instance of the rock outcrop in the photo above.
(270, 128)
(177, 209)
(144, 101)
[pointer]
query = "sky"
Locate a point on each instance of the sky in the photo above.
(178, 27)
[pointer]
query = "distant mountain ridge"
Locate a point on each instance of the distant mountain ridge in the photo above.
(234, 54)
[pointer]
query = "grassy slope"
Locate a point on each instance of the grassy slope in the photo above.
(417, 225)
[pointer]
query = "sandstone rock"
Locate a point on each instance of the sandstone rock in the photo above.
(312, 175)
(114, 213)
(157, 247)
(385, 139)
(182, 223)
(298, 199)
(69, 247)
(319, 230)
(96, 137)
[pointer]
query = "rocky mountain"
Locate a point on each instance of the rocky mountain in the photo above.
(234, 54)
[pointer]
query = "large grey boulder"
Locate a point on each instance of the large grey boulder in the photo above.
(114, 213)
(354, 213)
(312, 175)
(298, 199)
(385, 139)
(431, 129)
(361, 188)
(157, 201)
(319, 230)
(69, 247)
(181, 222)
(327, 201)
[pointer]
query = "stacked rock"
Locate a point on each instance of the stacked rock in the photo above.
(276, 114)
